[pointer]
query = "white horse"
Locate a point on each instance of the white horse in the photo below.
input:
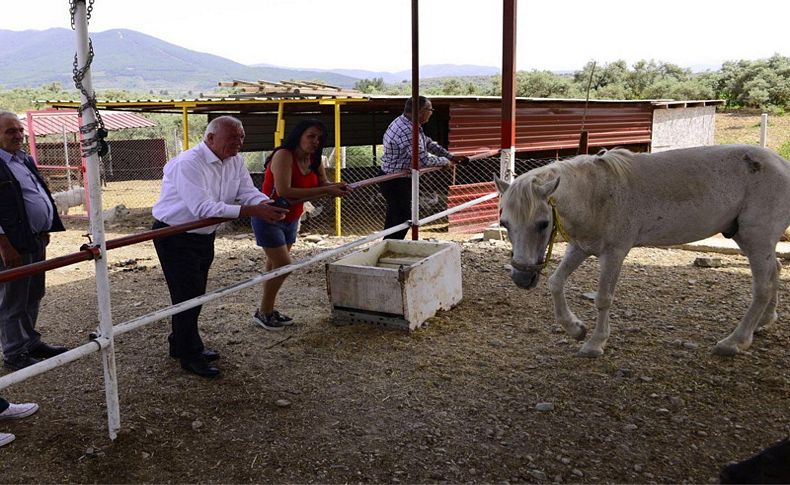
(613, 201)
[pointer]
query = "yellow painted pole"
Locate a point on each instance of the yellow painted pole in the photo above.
(338, 226)
(185, 126)
(279, 128)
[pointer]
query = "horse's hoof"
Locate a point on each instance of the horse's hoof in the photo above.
(725, 350)
(589, 353)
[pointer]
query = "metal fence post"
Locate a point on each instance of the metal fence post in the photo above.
(764, 130)
(97, 228)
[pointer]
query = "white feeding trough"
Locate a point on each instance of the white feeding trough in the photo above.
(395, 283)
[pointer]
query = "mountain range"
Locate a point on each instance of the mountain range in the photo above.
(127, 59)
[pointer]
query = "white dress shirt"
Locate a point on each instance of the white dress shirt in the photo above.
(198, 185)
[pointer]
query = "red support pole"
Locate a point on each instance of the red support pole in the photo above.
(508, 74)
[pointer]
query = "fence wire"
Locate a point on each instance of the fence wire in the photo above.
(131, 171)
(131, 175)
(363, 211)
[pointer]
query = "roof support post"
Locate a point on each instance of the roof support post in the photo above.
(185, 125)
(279, 128)
(507, 162)
(415, 119)
(338, 224)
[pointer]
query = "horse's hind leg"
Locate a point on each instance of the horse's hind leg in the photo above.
(610, 265)
(765, 285)
(573, 257)
(769, 315)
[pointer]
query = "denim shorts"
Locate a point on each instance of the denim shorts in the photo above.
(274, 234)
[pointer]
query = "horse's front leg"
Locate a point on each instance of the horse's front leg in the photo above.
(610, 265)
(573, 257)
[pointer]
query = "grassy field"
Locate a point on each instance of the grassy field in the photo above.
(744, 127)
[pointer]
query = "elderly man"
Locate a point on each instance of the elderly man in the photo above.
(27, 216)
(397, 157)
(202, 182)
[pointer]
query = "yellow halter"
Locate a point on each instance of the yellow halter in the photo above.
(555, 228)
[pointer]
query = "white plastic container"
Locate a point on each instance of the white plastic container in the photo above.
(395, 283)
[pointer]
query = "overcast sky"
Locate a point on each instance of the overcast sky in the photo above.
(375, 34)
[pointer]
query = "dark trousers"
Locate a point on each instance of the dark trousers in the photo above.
(397, 193)
(3, 404)
(19, 304)
(185, 259)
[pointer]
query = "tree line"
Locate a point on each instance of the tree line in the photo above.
(762, 83)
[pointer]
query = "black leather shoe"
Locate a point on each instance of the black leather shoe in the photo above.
(19, 361)
(45, 351)
(209, 355)
(200, 367)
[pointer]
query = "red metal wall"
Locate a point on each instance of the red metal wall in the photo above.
(549, 125)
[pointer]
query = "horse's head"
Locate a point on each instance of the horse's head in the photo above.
(527, 216)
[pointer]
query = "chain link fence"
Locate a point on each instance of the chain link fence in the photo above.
(363, 211)
(131, 175)
(130, 172)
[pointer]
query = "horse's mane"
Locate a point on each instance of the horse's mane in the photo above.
(520, 199)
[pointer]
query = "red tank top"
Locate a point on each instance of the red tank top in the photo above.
(298, 179)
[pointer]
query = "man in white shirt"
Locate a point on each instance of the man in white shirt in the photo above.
(209, 180)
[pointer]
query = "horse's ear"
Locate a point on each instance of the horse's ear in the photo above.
(501, 185)
(548, 188)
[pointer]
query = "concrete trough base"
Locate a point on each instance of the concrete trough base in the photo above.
(350, 316)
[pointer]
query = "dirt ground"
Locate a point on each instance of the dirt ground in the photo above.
(490, 391)
(462, 399)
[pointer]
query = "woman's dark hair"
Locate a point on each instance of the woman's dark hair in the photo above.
(291, 141)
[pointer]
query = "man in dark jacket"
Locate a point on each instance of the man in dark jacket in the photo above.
(27, 216)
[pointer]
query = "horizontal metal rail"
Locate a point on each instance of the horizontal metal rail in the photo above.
(458, 208)
(88, 252)
(100, 342)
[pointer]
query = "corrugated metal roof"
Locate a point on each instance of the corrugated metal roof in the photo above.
(51, 122)
(465, 124)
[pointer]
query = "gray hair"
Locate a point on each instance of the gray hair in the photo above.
(8, 114)
(214, 125)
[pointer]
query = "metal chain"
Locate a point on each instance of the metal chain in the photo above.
(73, 10)
(96, 143)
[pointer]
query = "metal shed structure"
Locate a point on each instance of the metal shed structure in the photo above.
(462, 123)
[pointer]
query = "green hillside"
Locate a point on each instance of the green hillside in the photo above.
(129, 60)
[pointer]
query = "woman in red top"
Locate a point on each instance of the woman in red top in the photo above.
(293, 172)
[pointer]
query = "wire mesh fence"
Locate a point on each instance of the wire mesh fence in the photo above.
(131, 175)
(363, 211)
